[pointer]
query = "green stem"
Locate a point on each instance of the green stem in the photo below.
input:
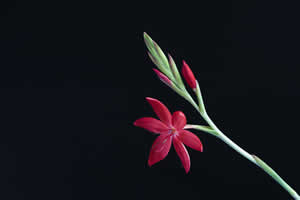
(276, 177)
(225, 139)
(254, 159)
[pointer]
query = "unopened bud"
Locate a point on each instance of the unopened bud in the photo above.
(163, 77)
(188, 75)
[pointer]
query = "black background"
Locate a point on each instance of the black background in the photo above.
(74, 77)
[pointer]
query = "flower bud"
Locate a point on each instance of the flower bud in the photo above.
(188, 75)
(163, 77)
(175, 72)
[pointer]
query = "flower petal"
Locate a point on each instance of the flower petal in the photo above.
(190, 139)
(182, 153)
(152, 125)
(160, 149)
(161, 110)
(178, 120)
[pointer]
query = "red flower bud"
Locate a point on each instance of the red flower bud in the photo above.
(188, 75)
(163, 77)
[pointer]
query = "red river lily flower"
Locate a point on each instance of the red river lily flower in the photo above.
(170, 129)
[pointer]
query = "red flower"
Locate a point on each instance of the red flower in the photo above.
(188, 75)
(170, 127)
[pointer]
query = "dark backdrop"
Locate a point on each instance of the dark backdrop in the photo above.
(75, 74)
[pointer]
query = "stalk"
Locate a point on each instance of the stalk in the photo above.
(254, 159)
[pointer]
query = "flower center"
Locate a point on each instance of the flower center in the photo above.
(173, 131)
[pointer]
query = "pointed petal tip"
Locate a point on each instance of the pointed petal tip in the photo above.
(145, 34)
(156, 71)
(137, 122)
(161, 110)
(200, 148)
(187, 167)
(151, 124)
(134, 123)
(187, 170)
(150, 99)
(150, 163)
(182, 153)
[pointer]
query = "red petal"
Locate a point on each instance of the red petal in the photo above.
(161, 110)
(182, 153)
(160, 149)
(178, 120)
(190, 139)
(152, 125)
(188, 75)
